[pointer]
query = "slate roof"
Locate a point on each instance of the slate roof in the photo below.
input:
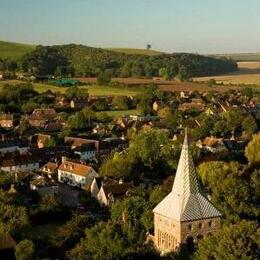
(186, 202)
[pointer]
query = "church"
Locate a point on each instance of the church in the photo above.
(185, 215)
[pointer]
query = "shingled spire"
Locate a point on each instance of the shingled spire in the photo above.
(185, 202)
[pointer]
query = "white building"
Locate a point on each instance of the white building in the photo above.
(76, 174)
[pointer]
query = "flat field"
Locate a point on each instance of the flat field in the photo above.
(93, 90)
(248, 73)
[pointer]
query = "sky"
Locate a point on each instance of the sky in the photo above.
(198, 26)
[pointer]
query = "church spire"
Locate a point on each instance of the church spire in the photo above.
(186, 181)
(185, 202)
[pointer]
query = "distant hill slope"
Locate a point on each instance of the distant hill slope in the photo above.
(14, 50)
(81, 60)
(136, 51)
(241, 56)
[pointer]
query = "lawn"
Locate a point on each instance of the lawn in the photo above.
(93, 90)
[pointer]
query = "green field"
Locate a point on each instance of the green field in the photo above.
(136, 51)
(93, 90)
(14, 50)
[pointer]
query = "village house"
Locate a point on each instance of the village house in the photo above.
(19, 164)
(40, 117)
(50, 170)
(76, 174)
(75, 142)
(14, 146)
(192, 105)
(109, 193)
(7, 246)
(78, 103)
(9, 120)
(86, 151)
(98, 182)
(212, 144)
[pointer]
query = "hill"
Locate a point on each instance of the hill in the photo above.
(241, 56)
(136, 51)
(81, 60)
(14, 50)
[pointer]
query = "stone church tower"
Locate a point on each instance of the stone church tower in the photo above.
(184, 215)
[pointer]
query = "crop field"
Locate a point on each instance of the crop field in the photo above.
(93, 90)
(241, 56)
(248, 73)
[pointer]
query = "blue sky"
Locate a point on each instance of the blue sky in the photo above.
(203, 26)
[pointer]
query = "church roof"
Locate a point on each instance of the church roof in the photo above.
(186, 202)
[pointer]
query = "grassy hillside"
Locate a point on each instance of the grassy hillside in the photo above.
(14, 50)
(241, 56)
(136, 51)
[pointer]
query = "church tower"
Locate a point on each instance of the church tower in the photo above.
(184, 215)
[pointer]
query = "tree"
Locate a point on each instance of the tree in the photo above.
(15, 219)
(252, 151)
(50, 142)
(237, 241)
(104, 78)
(78, 121)
(249, 125)
(248, 92)
(29, 107)
(220, 128)
(234, 119)
(72, 231)
(24, 250)
(117, 165)
(121, 103)
(129, 210)
(76, 92)
(153, 149)
(49, 202)
(230, 192)
(165, 112)
(111, 240)
(89, 115)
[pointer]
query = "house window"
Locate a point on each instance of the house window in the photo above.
(210, 224)
(190, 227)
(200, 225)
